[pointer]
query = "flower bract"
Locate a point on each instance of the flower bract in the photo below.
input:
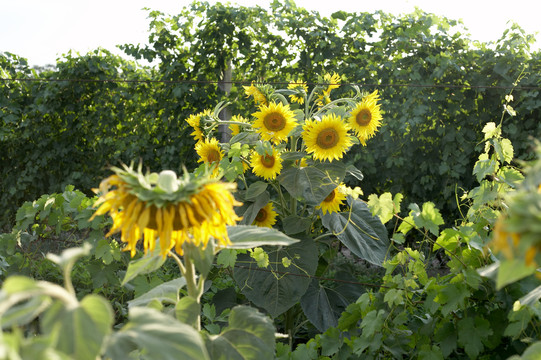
(161, 206)
(267, 166)
(266, 217)
(327, 139)
(274, 122)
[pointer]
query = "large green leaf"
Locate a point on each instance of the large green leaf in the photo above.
(359, 231)
(147, 264)
(22, 314)
(167, 292)
(249, 335)
(250, 236)
(202, 258)
(318, 307)
(312, 183)
(251, 209)
(80, 330)
(157, 336)
(277, 288)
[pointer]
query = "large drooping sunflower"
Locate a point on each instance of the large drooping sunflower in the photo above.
(195, 122)
(161, 206)
(366, 117)
(209, 152)
(266, 217)
(333, 201)
(301, 91)
(236, 128)
(259, 96)
(274, 122)
(327, 139)
(267, 166)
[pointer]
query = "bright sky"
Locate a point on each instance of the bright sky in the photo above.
(43, 30)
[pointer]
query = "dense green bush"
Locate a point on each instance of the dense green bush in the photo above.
(439, 89)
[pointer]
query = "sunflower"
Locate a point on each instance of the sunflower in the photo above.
(209, 151)
(327, 139)
(161, 206)
(259, 97)
(266, 217)
(301, 90)
(195, 122)
(274, 122)
(333, 82)
(267, 166)
(333, 201)
(236, 128)
(366, 117)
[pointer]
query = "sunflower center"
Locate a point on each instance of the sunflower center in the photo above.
(363, 117)
(213, 156)
(267, 161)
(328, 138)
(274, 122)
(330, 197)
(261, 215)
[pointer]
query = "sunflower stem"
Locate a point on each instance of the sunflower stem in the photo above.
(194, 290)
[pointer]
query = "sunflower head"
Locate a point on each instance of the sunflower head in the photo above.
(300, 89)
(267, 166)
(327, 139)
(210, 152)
(331, 82)
(236, 128)
(366, 117)
(161, 206)
(333, 201)
(195, 122)
(266, 217)
(274, 122)
(257, 92)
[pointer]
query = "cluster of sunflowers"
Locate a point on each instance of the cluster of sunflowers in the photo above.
(309, 123)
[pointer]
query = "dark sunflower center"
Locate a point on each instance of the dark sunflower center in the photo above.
(330, 197)
(327, 138)
(213, 156)
(261, 215)
(267, 161)
(274, 122)
(363, 117)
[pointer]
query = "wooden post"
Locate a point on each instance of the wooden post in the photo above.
(225, 85)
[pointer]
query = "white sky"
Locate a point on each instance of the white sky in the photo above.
(42, 30)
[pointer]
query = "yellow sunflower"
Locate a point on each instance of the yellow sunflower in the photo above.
(210, 152)
(267, 166)
(195, 122)
(327, 139)
(333, 82)
(161, 206)
(266, 217)
(236, 128)
(366, 117)
(333, 201)
(259, 97)
(301, 90)
(274, 122)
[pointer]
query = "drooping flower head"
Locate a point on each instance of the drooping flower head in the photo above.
(267, 166)
(258, 94)
(366, 117)
(236, 128)
(266, 217)
(195, 122)
(333, 201)
(301, 90)
(327, 139)
(274, 122)
(333, 82)
(209, 152)
(161, 206)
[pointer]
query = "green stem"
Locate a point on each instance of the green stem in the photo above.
(194, 287)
